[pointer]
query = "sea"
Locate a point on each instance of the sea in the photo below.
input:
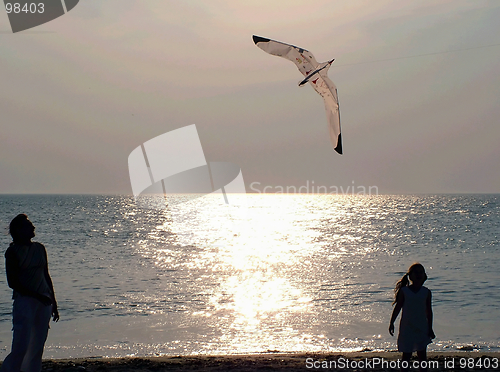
(267, 273)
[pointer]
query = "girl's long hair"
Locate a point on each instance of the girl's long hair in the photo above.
(405, 280)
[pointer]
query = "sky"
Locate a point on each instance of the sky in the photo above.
(418, 85)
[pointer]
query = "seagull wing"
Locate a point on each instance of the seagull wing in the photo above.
(327, 89)
(303, 59)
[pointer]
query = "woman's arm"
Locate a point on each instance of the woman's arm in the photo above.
(55, 312)
(12, 269)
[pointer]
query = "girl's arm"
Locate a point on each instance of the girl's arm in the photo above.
(400, 299)
(429, 314)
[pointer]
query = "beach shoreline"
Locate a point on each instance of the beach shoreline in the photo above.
(334, 361)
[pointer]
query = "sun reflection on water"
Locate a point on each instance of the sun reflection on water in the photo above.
(286, 273)
(252, 254)
(271, 272)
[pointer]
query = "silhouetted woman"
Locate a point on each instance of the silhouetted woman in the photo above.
(34, 298)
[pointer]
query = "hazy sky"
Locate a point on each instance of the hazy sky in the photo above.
(78, 94)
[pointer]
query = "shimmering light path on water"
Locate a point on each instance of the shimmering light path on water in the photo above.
(287, 273)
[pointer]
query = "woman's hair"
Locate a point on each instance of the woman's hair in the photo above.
(15, 225)
(405, 280)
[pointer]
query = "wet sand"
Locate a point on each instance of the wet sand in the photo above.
(350, 361)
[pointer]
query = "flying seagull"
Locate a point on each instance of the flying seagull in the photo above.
(315, 74)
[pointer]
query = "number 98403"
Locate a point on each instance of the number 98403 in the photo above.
(26, 8)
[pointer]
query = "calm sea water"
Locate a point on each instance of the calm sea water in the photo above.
(291, 273)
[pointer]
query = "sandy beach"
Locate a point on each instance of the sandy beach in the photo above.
(351, 361)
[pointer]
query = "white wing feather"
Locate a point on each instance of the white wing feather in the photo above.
(327, 89)
(303, 59)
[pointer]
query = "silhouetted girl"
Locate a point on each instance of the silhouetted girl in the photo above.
(415, 327)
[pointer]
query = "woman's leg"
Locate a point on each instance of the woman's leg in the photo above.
(33, 358)
(22, 320)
